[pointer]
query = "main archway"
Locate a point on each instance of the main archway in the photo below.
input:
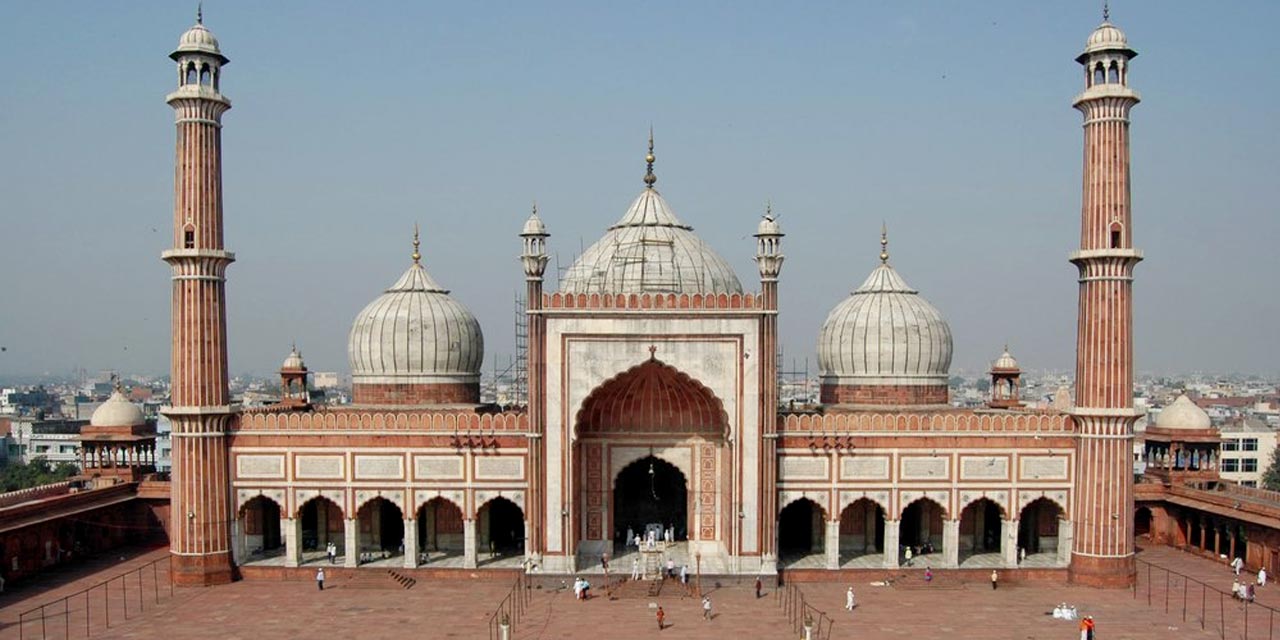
(650, 418)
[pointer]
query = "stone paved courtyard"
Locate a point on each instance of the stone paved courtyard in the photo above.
(369, 607)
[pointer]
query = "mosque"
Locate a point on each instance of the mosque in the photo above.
(653, 405)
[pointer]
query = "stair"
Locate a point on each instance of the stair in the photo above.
(402, 580)
(368, 579)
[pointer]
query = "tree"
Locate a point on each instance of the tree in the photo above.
(17, 475)
(1271, 477)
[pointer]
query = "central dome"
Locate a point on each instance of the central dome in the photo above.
(415, 345)
(884, 345)
(650, 251)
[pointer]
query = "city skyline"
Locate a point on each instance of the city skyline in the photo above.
(321, 200)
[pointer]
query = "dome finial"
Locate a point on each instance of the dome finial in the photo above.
(199, 13)
(116, 384)
(649, 178)
(416, 256)
(884, 243)
(1106, 10)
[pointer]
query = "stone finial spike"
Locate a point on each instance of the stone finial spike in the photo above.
(649, 178)
(1106, 10)
(199, 13)
(884, 243)
(535, 208)
(416, 256)
(768, 208)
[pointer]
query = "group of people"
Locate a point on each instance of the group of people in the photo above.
(581, 589)
(1244, 590)
(650, 540)
(913, 551)
(1065, 612)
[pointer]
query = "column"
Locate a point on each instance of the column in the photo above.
(833, 544)
(1202, 534)
(1009, 542)
(891, 546)
(410, 543)
(469, 543)
(951, 543)
(351, 542)
(292, 530)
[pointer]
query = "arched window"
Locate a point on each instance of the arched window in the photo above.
(1113, 76)
(215, 79)
(1117, 235)
(1099, 77)
(191, 73)
(189, 237)
(204, 75)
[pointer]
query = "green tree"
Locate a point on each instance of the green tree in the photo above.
(17, 475)
(1271, 477)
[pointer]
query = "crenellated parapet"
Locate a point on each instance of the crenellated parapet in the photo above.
(447, 422)
(650, 301)
(1029, 422)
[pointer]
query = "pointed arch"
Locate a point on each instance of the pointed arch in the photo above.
(652, 397)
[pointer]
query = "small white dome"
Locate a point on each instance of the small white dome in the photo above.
(198, 39)
(769, 226)
(1005, 362)
(885, 333)
(414, 333)
(1183, 414)
(294, 360)
(534, 226)
(1107, 37)
(117, 411)
(650, 251)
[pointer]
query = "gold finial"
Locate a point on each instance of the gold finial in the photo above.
(649, 178)
(416, 256)
(884, 243)
(199, 13)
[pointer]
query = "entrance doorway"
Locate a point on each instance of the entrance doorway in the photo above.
(650, 494)
(981, 529)
(800, 531)
(501, 526)
(260, 526)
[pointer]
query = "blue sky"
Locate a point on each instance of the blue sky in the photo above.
(952, 122)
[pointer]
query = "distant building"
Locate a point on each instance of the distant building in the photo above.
(325, 380)
(1247, 447)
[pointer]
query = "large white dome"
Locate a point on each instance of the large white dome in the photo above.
(1183, 414)
(650, 251)
(415, 334)
(885, 333)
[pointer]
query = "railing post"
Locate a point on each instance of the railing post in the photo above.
(1148, 585)
(1203, 596)
(1166, 591)
(66, 619)
(1185, 584)
(1222, 618)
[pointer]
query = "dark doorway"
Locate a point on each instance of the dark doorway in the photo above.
(381, 529)
(798, 527)
(1142, 522)
(651, 491)
(505, 527)
(261, 522)
(321, 524)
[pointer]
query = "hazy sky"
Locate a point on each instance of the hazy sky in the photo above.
(951, 121)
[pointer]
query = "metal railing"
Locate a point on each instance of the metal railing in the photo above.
(512, 608)
(801, 614)
(1210, 606)
(96, 609)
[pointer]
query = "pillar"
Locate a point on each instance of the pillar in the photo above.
(469, 543)
(292, 530)
(1202, 535)
(833, 544)
(410, 543)
(351, 542)
(1009, 542)
(1065, 533)
(951, 543)
(891, 546)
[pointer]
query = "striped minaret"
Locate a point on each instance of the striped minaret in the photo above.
(200, 405)
(534, 258)
(769, 260)
(1102, 546)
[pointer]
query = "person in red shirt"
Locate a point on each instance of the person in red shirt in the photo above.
(662, 616)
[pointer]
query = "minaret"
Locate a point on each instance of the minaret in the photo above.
(1102, 545)
(534, 258)
(769, 260)
(200, 404)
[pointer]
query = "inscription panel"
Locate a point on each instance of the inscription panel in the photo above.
(804, 468)
(1044, 468)
(319, 467)
(500, 468)
(437, 467)
(379, 467)
(925, 468)
(865, 468)
(984, 468)
(260, 466)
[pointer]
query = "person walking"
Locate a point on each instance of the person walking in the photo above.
(635, 568)
(320, 579)
(928, 574)
(759, 587)
(662, 618)
(671, 569)
(684, 574)
(706, 608)
(848, 600)
(909, 553)
(1086, 626)
(1262, 577)
(1237, 564)
(1022, 555)
(995, 579)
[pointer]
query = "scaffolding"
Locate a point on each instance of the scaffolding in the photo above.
(520, 381)
(795, 386)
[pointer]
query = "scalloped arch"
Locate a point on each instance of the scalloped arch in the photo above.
(652, 397)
